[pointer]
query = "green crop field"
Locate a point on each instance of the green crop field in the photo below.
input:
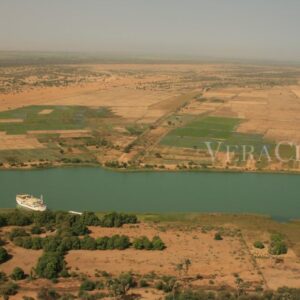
(214, 130)
(61, 118)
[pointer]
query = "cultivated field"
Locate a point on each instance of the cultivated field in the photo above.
(155, 116)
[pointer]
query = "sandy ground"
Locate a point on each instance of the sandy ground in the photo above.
(210, 258)
(15, 142)
(214, 263)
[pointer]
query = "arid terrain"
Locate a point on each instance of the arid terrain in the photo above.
(154, 116)
(231, 263)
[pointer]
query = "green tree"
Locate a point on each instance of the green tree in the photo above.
(17, 274)
(158, 244)
(87, 285)
(49, 265)
(121, 285)
(3, 255)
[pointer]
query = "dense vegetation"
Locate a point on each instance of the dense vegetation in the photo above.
(63, 219)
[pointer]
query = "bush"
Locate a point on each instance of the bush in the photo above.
(88, 243)
(117, 220)
(49, 265)
(3, 255)
(47, 294)
(36, 230)
(19, 218)
(87, 285)
(259, 245)
(142, 243)
(3, 221)
(17, 274)
(17, 232)
(121, 285)
(143, 283)
(158, 244)
(218, 237)
(89, 219)
(277, 245)
(8, 289)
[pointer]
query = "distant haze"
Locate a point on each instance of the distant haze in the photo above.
(235, 29)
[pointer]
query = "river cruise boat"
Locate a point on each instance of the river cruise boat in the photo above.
(31, 202)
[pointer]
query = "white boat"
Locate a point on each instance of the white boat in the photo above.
(31, 202)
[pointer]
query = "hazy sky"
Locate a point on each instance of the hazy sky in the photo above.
(260, 29)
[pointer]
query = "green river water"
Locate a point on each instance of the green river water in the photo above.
(96, 189)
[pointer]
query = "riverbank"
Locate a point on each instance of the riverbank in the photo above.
(227, 243)
(152, 169)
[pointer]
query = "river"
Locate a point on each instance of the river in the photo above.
(97, 189)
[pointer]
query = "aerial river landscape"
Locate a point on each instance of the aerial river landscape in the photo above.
(96, 189)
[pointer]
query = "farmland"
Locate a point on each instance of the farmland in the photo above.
(155, 116)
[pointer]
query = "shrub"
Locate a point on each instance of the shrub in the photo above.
(36, 230)
(3, 221)
(47, 294)
(19, 218)
(158, 244)
(87, 285)
(49, 265)
(143, 283)
(17, 232)
(117, 220)
(17, 274)
(3, 255)
(142, 243)
(121, 285)
(89, 219)
(8, 289)
(88, 243)
(259, 245)
(277, 245)
(218, 237)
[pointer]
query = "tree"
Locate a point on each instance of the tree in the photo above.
(17, 232)
(36, 230)
(121, 285)
(277, 245)
(49, 265)
(87, 285)
(187, 263)
(3, 255)
(17, 274)
(89, 219)
(88, 243)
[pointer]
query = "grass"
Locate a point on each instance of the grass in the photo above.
(61, 118)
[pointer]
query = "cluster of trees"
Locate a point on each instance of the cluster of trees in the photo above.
(277, 245)
(143, 243)
(67, 243)
(59, 219)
